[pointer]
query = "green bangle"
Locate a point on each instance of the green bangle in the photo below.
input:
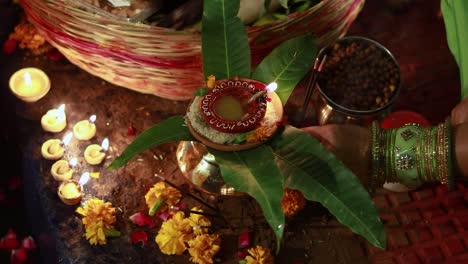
(450, 180)
(405, 157)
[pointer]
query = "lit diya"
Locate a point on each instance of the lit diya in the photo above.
(233, 109)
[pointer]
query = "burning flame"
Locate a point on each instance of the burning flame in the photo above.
(27, 79)
(92, 119)
(67, 138)
(83, 179)
(271, 87)
(105, 144)
(73, 162)
(61, 112)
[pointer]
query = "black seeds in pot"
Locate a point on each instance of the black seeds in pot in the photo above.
(358, 75)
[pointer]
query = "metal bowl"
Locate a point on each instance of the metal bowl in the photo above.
(328, 111)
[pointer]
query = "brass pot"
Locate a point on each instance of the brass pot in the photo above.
(200, 169)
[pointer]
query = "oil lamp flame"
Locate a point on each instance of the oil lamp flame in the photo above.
(105, 144)
(92, 119)
(61, 112)
(27, 79)
(271, 87)
(83, 179)
(67, 138)
(73, 162)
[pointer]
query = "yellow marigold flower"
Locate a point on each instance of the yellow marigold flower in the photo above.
(98, 217)
(259, 255)
(293, 202)
(260, 134)
(160, 191)
(210, 82)
(174, 234)
(203, 248)
(198, 222)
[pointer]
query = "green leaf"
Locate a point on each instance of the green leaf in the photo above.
(225, 48)
(287, 65)
(170, 130)
(455, 15)
(254, 172)
(284, 3)
(200, 91)
(309, 167)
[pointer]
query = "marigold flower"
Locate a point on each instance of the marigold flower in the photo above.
(161, 192)
(203, 248)
(260, 134)
(293, 202)
(198, 222)
(210, 82)
(174, 234)
(98, 217)
(259, 255)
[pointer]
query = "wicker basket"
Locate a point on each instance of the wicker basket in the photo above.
(162, 61)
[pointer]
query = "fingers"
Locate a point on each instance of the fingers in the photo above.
(460, 112)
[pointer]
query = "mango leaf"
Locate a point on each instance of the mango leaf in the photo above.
(287, 65)
(455, 15)
(225, 48)
(309, 167)
(254, 172)
(170, 130)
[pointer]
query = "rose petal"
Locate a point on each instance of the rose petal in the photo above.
(18, 256)
(54, 55)
(139, 236)
(164, 215)
(242, 254)
(9, 46)
(131, 131)
(10, 240)
(141, 219)
(244, 240)
(28, 243)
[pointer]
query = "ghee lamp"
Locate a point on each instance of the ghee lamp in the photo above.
(94, 154)
(62, 170)
(53, 149)
(29, 84)
(54, 120)
(85, 129)
(71, 192)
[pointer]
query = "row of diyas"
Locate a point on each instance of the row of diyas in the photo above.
(54, 120)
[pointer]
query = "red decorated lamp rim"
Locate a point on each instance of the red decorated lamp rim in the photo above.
(242, 89)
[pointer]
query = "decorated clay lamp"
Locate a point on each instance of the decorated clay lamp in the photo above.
(85, 129)
(29, 84)
(95, 154)
(53, 149)
(231, 108)
(71, 192)
(54, 120)
(62, 170)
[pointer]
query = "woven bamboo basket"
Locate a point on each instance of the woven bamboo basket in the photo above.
(161, 61)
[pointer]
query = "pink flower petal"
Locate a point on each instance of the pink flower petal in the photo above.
(242, 254)
(164, 215)
(141, 219)
(139, 236)
(9, 46)
(28, 243)
(54, 55)
(244, 240)
(18, 256)
(131, 131)
(10, 240)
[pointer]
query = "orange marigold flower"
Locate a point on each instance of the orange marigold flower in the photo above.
(98, 217)
(198, 222)
(210, 82)
(203, 248)
(293, 201)
(259, 255)
(174, 234)
(160, 191)
(260, 134)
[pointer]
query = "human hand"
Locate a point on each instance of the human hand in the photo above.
(460, 113)
(349, 143)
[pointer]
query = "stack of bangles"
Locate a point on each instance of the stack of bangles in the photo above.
(411, 155)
